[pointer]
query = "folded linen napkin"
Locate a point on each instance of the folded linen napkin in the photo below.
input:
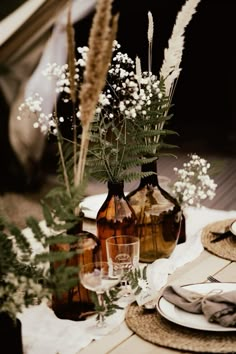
(219, 307)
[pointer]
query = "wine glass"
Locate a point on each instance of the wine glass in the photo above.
(99, 277)
(123, 254)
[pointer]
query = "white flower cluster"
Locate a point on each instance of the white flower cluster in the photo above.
(33, 103)
(193, 183)
(61, 74)
(45, 122)
(48, 123)
(126, 94)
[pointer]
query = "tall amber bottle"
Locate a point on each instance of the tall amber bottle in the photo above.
(158, 217)
(74, 303)
(116, 216)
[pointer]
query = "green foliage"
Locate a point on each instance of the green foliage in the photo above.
(62, 278)
(134, 276)
(120, 144)
(109, 305)
(25, 273)
(48, 269)
(10, 259)
(111, 297)
(59, 207)
(19, 274)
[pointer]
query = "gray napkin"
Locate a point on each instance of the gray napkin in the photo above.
(216, 307)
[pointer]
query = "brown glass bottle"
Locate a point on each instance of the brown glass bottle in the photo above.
(10, 334)
(75, 303)
(158, 217)
(115, 217)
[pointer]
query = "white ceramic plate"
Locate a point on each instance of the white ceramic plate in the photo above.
(90, 205)
(196, 321)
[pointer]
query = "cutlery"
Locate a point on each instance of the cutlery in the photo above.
(213, 279)
(229, 231)
(220, 236)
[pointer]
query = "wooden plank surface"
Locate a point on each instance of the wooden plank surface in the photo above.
(109, 342)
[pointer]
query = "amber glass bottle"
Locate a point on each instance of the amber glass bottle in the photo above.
(10, 334)
(116, 216)
(75, 303)
(158, 217)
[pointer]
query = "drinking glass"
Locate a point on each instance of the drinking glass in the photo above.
(99, 277)
(123, 254)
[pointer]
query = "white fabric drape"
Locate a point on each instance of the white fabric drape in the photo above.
(55, 52)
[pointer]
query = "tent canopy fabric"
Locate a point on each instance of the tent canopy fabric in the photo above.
(22, 41)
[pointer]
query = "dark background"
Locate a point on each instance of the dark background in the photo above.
(7, 7)
(205, 94)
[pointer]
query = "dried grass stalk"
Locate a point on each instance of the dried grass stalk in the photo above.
(71, 65)
(102, 35)
(138, 69)
(71, 54)
(150, 40)
(170, 69)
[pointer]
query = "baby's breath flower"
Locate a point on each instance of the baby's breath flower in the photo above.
(193, 184)
(133, 102)
(32, 104)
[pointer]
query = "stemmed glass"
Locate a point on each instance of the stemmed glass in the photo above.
(99, 277)
(123, 254)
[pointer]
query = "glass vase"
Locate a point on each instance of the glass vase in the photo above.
(75, 303)
(115, 217)
(158, 217)
(10, 334)
(182, 233)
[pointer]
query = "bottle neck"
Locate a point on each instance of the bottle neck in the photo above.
(116, 188)
(152, 179)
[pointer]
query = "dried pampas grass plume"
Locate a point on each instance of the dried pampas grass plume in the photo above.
(150, 40)
(150, 27)
(170, 69)
(138, 70)
(102, 35)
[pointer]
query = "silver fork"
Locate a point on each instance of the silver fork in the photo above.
(213, 279)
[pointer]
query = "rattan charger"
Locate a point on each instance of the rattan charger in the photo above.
(157, 330)
(225, 248)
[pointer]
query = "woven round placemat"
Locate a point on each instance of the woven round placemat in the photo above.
(225, 248)
(157, 330)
